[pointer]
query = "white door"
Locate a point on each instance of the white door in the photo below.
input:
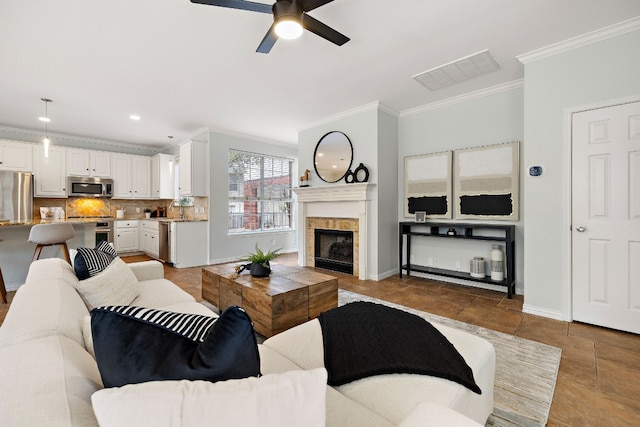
(606, 217)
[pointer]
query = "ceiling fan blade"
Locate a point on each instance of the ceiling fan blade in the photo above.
(308, 5)
(323, 30)
(238, 4)
(268, 41)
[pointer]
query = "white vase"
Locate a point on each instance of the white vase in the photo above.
(497, 264)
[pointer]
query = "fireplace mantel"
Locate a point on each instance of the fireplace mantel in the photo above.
(336, 200)
(334, 193)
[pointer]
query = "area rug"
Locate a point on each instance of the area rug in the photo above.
(526, 370)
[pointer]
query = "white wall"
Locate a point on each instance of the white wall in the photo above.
(223, 247)
(600, 72)
(492, 119)
(387, 227)
(373, 134)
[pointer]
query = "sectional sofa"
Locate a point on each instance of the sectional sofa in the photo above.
(49, 373)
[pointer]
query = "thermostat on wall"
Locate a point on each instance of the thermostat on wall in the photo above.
(535, 171)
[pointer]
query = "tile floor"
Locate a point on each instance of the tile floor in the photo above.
(599, 378)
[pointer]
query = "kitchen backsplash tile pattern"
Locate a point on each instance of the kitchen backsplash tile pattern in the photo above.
(134, 209)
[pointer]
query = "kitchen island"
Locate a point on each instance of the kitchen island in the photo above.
(16, 252)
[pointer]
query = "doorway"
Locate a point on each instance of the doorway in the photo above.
(605, 216)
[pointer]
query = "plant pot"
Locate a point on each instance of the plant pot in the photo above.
(259, 270)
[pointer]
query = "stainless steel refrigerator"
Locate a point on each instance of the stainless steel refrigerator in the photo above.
(16, 197)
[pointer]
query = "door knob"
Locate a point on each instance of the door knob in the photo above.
(581, 228)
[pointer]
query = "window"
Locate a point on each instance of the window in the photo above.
(259, 192)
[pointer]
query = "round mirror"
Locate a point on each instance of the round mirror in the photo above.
(332, 157)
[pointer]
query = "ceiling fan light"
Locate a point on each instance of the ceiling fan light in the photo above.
(288, 29)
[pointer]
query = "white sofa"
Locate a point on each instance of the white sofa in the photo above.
(48, 375)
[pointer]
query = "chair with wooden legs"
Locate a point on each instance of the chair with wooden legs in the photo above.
(50, 235)
(3, 290)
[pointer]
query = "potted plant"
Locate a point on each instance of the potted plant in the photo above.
(147, 213)
(259, 261)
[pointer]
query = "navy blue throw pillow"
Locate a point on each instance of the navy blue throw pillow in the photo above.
(89, 262)
(135, 344)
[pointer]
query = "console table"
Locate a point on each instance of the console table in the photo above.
(439, 230)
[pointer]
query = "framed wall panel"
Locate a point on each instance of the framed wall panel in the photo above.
(486, 182)
(428, 184)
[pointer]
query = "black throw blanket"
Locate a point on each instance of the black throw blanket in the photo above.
(363, 339)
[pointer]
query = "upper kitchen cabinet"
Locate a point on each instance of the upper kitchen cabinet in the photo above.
(162, 176)
(16, 156)
(193, 174)
(89, 163)
(131, 176)
(50, 173)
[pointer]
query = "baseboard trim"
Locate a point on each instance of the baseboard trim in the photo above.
(544, 312)
(455, 281)
(383, 275)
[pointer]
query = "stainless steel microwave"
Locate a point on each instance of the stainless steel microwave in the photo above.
(84, 186)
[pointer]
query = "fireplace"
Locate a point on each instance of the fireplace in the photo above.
(343, 207)
(334, 250)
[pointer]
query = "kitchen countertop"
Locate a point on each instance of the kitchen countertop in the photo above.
(162, 219)
(92, 220)
(52, 221)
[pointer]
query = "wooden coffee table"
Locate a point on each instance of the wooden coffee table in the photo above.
(288, 297)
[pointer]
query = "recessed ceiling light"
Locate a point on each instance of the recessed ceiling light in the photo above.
(134, 117)
(44, 119)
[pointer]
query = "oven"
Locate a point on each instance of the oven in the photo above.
(104, 231)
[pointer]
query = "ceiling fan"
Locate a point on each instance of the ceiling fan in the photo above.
(289, 18)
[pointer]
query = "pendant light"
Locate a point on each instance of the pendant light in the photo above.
(170, 161)
(46, 119)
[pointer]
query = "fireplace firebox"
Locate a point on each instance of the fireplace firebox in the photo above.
(334, 250)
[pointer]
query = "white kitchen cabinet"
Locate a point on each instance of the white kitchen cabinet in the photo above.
(16, 156)
(189, 244)
(50, 174)
(126, 236)
(131, 176)
(100, 164)
(78, 162)
(149, 240)
(162, 176)
(88, 163)
(193, 173)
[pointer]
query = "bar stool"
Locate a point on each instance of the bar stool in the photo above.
(3, 290)
(50, 235)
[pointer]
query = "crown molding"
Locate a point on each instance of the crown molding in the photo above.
(255, 138)
(205, 129)
(35, 136)
(493, 90)
(601, 34)
(377, 105)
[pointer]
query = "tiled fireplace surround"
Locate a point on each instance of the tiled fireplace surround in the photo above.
(334, 207)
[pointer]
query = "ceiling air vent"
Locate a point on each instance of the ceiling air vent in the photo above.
(466, 68)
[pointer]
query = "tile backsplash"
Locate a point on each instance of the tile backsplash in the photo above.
(134, 209)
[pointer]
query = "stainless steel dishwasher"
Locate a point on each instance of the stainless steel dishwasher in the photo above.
(164, 243)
